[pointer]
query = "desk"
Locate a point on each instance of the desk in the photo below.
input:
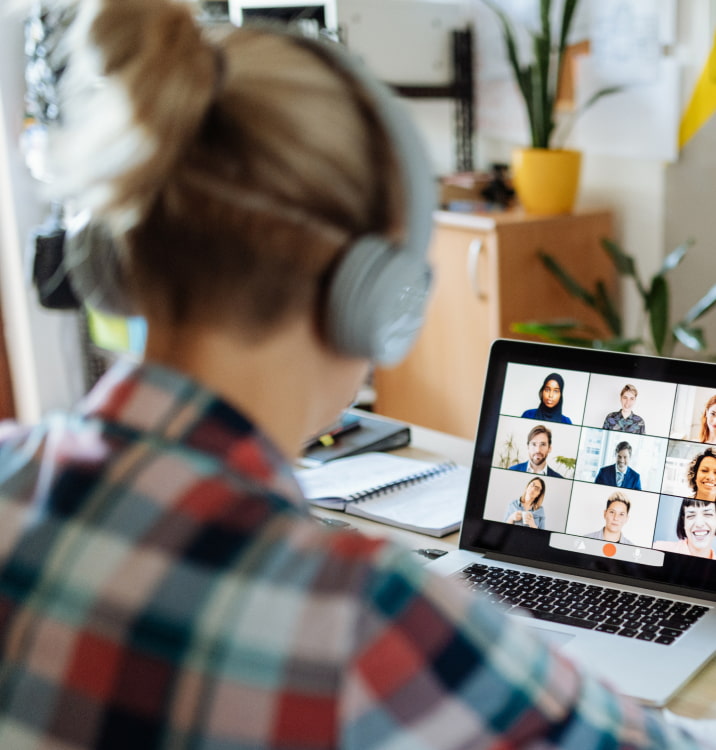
(697, 699)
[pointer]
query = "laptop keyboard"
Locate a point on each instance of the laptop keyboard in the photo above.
(591, 606)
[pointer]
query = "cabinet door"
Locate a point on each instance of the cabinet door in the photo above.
(527, 291)
(439, 385)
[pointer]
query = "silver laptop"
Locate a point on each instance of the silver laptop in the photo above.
(590, 512)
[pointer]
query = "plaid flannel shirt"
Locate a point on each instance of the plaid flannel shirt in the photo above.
(162, 585)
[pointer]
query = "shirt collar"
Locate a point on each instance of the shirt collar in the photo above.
(147, 398)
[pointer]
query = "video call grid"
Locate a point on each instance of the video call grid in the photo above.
(666, 447)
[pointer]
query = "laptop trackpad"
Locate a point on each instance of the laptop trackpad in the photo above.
(553, 637)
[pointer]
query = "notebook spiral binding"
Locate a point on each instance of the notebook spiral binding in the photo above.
(384, 489)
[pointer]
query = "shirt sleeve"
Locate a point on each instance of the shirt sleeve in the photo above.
(436, 668)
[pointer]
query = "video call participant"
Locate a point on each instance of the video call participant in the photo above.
(539, 446)
(695, 529)
(527, 509)
(701, 475)
(550, 401)
(620, 474)
(616, 515)
(707, 431)
(625, 420)
(162, 581)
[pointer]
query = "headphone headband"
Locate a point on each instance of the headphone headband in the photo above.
(376, 296)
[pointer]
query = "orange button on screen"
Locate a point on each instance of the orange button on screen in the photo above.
(609, 550)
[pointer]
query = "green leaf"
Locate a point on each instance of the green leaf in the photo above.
(624, 263)
(567, 333)
(563, 324)
(545, 88)
(607, 309)
(568, 13)
(675, 257)
(657, 306)
(569, 283)
(508, 35)
(693, 338)
(597, 95)
(567, 123)
(702, 306)
(542, 101)
(619, 344)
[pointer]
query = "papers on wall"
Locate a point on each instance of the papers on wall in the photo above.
(640, 122)
(628, 40)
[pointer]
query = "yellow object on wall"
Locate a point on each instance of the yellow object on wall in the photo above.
(703, 101)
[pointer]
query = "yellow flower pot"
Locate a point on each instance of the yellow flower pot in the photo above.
(546, 180)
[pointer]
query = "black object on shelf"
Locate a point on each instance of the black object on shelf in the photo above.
(498, 191)
(461, 89)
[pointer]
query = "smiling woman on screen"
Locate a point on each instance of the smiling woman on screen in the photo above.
(701, 475)
(695, 529)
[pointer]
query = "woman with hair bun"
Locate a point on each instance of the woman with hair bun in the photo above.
(162, 581)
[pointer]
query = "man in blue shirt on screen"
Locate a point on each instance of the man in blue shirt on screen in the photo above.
(620, 474)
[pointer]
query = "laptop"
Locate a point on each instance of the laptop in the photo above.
(618, 572)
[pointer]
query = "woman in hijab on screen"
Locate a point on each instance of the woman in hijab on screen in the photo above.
(550, 401)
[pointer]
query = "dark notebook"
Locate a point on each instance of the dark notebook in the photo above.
(373, 433)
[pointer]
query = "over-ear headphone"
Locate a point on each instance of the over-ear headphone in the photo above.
(377, 294)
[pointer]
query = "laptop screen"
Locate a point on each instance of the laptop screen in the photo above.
(597, 462)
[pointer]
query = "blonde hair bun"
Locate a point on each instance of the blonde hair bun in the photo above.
(147, 68)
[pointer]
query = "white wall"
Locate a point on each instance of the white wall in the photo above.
(408, 42)
(43, 346)
(689, 207)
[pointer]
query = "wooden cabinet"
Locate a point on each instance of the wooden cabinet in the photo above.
(488, 276)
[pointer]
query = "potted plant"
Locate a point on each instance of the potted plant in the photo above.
(546, 176)
(659, 336)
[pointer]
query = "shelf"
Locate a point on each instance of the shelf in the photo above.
(461, 89)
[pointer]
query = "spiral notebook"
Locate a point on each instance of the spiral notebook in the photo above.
(411, 494)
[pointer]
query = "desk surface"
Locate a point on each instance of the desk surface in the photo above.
(696, 699)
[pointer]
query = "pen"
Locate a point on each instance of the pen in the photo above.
(330, 437)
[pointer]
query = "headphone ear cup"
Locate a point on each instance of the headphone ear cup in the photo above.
(377, 295)
(376, 301)
(94, 268)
